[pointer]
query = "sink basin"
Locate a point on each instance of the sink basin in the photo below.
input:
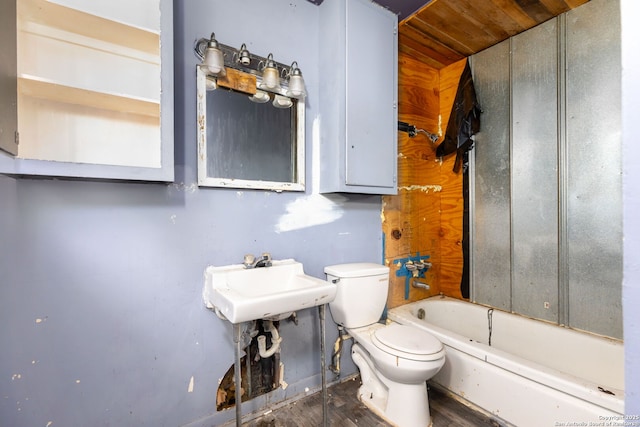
(240, 294)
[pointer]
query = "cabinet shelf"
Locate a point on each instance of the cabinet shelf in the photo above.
(85, 24)
(35, 87)
(87, 89)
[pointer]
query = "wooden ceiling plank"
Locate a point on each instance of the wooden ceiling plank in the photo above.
(445, 31)
(464, 27)
(420, 11)
(556, 7)
(493, 19)
(536, 10)
(421, 56)
(511, 8)
(442, 33)
(426, 39)
(429, 45)
(481, 20)
(575, 3)
(445, 28)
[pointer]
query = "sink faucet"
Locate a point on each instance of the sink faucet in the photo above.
(252, 262)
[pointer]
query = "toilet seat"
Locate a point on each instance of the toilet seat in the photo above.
(407, 342)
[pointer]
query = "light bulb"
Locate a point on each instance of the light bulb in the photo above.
(213, 57)
(280, 101)
(243, 57)
(296, 86)
(211, 83)
(270, 75)
(296, 82)
(260, 97)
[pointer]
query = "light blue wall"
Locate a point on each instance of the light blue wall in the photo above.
(630, 14)
(100, 283)
(100, 307)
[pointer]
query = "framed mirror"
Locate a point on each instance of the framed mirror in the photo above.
(249, 140)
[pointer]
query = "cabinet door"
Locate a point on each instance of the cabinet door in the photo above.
(8, 82)
(90, 77)
(371, 126)
(358, 96)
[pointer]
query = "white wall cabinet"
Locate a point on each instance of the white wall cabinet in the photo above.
(358, 97)
(86, 89)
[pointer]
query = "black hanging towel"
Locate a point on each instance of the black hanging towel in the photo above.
(464, 122)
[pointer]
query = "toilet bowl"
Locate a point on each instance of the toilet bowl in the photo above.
(395, 361)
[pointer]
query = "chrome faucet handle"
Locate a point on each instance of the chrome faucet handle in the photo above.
(249, 259)
(266, 259)
(413, 268)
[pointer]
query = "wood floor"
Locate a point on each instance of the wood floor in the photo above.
(345, 410)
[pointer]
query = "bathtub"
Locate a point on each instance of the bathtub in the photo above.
(523, 372)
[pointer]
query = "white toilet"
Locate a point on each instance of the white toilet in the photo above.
(395, 361)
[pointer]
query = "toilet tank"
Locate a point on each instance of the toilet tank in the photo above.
(361, 295)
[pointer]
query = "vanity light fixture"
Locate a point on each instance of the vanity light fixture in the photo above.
(270, 75)
(280, 101)
(244, 57)
(211, 83)
(214, 58)
(296, 82)
(260, 97)
(275, 80)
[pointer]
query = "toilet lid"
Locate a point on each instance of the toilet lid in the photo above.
(406, 339)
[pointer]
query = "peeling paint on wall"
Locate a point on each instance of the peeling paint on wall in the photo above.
(281, 381)
(191, 385)
(310, 211)
(423, 188)
(190, 188)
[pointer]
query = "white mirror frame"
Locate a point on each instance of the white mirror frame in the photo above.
(206, 181)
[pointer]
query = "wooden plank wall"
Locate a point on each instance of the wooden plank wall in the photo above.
(425, 217)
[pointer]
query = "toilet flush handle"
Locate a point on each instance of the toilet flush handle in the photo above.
(334, 281)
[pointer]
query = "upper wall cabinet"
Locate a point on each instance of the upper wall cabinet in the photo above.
(86, 89)
(358, 97)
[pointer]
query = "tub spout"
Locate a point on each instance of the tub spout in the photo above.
(420, 285)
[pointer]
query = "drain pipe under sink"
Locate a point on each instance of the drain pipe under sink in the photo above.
(275, 340)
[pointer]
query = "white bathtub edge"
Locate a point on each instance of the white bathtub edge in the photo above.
(529, 371)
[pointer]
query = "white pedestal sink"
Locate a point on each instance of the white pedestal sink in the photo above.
(242, 294)
(239, 294)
